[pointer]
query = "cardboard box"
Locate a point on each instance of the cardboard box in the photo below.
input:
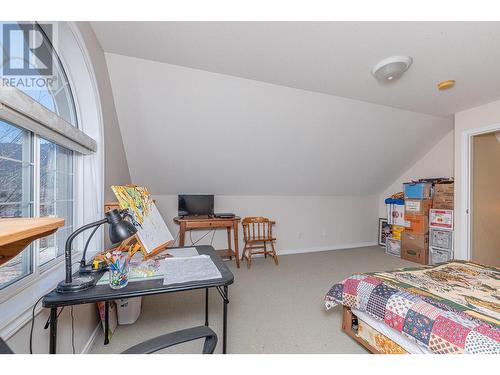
(439, 255)
(441, 219)
(442, 239)
(418, 206)
(417, 223)
(393, 247)
(443, 196)
(418, 190)
(415, 247)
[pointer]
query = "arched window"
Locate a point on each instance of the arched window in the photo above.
(37, 163)
(57, 97)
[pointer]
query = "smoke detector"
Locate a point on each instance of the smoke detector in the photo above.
(392, 68)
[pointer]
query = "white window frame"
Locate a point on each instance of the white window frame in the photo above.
(73, 53)
(38, 270)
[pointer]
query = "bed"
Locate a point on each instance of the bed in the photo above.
(452, 307)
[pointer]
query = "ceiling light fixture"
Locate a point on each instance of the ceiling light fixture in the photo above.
(443, 85)
(392, 68)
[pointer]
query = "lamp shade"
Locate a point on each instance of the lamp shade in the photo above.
(119, 229)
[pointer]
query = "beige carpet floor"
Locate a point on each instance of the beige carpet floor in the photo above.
(271, 310)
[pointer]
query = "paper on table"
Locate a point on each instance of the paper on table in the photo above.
(183, 252)
(186, 269)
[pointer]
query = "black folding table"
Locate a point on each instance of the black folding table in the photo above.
(147, 287)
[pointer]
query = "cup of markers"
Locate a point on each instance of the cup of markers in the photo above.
(118, 263)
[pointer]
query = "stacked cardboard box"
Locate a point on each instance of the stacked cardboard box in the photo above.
(443, 196)
(415, 238)
(441, 224)
(395, 217)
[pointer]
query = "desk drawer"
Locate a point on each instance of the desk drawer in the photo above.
(209, 224)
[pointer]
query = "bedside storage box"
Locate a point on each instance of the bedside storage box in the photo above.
(393, 247)
(418, 206)
(439, 255)
(418, 190)
(443, 196)
(415, 247)
(416, 223)
(441, 219)
(442, 239)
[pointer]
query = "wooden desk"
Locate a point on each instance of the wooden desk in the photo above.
(209, 222)
(17, 233)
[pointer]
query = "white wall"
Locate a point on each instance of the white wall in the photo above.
(115, 159)
(470, 120)
(191, 131)
(438, 162)
(303, 223)
(85, 324)
(314, 162)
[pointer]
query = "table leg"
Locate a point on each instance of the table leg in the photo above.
(224, 324)
(182, 234)
(53, 331)
(206, 307)
(106, 323)
(229, 249)
(236, 251)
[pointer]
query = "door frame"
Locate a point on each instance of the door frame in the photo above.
(466, 186)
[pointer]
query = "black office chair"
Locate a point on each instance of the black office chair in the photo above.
(161, 342)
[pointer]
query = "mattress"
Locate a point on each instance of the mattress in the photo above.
(403, 341)
(451, 307)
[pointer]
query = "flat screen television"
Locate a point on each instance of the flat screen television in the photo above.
(195, 205)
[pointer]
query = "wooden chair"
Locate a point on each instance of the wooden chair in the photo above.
(257, 233)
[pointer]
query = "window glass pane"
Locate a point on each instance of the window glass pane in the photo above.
(13, 176)
(58, 98)
(16, 268)
(11, 141)
(56, 195)
(16, 198)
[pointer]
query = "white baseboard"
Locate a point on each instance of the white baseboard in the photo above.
(92, 338)
(324, 248)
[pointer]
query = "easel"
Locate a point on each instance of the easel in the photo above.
(134, 243)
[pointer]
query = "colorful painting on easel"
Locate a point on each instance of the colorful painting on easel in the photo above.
(151, 229)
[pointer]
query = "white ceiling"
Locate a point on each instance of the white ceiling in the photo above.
(191, 131)
(330, 57)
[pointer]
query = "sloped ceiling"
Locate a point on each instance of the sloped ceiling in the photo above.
(330, 57)
(192, 131)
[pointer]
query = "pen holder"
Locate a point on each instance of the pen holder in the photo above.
(118, 271)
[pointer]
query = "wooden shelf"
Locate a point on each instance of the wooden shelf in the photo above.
(17, 233)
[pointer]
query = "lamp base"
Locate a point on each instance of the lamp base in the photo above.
(79, 283)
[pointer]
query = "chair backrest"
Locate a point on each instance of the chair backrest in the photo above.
(257, 228)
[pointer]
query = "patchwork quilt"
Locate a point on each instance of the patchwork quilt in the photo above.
(452, 307)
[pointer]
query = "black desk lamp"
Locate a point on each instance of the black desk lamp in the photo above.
(119, 230)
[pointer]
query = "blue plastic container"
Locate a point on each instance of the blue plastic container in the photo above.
(419, 190)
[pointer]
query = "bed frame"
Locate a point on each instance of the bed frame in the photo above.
(350, 325)
(348, 320)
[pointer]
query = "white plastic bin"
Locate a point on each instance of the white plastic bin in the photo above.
(128, 310)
